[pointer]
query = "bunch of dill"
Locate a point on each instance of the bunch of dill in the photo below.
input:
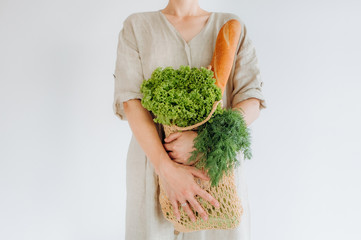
(218, 142)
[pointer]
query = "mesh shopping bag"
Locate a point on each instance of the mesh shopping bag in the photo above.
(227, 216)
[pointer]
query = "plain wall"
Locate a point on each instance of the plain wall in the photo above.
(63, 151)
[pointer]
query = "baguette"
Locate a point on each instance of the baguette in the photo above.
(224, 52)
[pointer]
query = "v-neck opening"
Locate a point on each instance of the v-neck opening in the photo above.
(180, 35)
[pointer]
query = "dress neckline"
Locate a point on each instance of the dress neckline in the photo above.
(206, 25)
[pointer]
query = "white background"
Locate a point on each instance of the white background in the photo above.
(63, 151)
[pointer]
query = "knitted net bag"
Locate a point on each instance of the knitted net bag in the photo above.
(227, 216)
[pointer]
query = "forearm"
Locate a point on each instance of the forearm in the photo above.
(144, 130)
(249, 109)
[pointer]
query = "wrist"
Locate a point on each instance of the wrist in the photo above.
(162, 164)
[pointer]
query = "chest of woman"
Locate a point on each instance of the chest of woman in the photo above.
(160, 44)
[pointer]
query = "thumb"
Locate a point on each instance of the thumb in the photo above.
(172, 136)
(199, 173)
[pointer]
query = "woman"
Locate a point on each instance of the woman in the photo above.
(180, 34)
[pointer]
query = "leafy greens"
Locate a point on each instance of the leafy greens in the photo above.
(181, 97)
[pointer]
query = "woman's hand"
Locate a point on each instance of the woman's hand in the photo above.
(180, 145)
(180, 187)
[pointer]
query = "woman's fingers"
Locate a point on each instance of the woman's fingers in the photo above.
(208, 197)
(175, 209)
(179, 181)
(173, 136)
(171, 155)
(168, 146)
(198, 208)
(187, 209)
(199, 173)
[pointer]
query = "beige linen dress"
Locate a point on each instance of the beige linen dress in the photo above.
(146, 41)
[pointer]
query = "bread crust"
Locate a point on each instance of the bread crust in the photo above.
(224, 52)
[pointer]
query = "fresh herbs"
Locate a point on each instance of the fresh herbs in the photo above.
(218, 142)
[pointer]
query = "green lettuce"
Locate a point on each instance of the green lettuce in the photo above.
(181, 97)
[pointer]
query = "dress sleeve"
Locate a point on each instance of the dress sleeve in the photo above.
(128, 73)
(247, 80)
